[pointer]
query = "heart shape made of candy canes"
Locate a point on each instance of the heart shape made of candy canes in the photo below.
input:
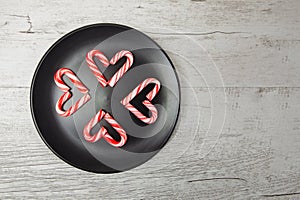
(147, 103)
(103, 131)
(67, 95)
(102, 58)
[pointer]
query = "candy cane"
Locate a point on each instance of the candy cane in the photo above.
(147, 103)
(103, 132)
(67, 95)
(92, 65)
(123, 69)
(95, 70)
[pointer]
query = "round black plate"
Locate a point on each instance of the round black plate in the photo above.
(63, 135)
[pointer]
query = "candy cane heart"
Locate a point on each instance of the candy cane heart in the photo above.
(147, 103)
(67, 95)
(103, 133)
(102, 58)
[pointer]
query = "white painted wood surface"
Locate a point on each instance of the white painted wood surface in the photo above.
(255, 44)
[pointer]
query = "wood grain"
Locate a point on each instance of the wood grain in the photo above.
(255, 46)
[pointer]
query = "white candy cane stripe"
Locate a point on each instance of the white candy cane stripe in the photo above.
(92, 65)
(147, 103)
(95, 70)
(67, 95)
(103, 132)
(123, 69)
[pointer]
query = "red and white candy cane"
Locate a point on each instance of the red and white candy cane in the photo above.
(147, 103)
(95, 70)
(67, 95)
(103, 132)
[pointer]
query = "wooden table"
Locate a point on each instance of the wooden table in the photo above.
(255, 46)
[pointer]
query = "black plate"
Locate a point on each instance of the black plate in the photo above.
(63, 135)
